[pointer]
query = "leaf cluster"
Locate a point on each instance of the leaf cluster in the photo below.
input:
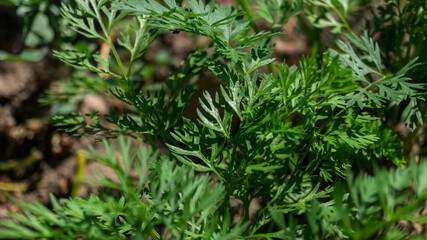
(175, 199)
(272, 133)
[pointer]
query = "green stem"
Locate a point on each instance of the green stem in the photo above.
(333, 117)
(110, 42)
(346, 25)
(139, 37)
(312, 34)
(246, 204)
(79, 175)
(118, 60)
(245, 5)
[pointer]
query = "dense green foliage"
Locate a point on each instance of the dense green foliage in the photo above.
(291, 137)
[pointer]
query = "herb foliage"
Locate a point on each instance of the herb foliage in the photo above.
(290, 137)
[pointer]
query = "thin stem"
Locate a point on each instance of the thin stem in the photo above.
(139, 37)
(312, 34)
(110, 42)
(333, 117)
(81, 167)
(245, 5)
(217, 174)
(346, 25)
(246, 204)
(118, 60)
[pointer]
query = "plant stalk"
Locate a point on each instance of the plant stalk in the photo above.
(245, 5)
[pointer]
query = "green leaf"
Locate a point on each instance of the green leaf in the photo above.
(219, 125)
(25, 55)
